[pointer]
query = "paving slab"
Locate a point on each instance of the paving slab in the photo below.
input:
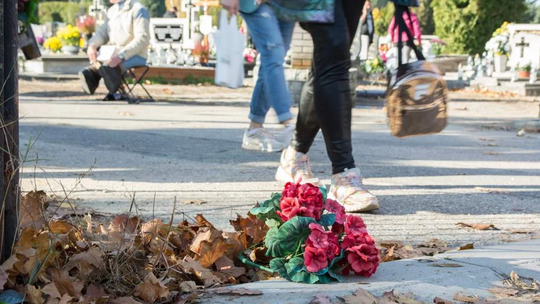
(481, 269)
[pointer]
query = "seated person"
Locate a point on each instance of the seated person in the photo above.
(173, 13)
(126, 28)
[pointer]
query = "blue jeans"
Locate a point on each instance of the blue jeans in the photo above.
(134, 61)
(272, 39)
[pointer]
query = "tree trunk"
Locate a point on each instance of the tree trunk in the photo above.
(9, 124)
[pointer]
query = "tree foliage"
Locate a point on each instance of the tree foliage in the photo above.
(58, 11)
(425, 16)
(466, 25)
(156, 8)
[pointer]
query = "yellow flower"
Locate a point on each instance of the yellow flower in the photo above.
(81, 42)
(69, 35)
(375, 61)
(53, 43)
(376, 13)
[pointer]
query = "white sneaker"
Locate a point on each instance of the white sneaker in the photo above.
(347, 188)
(294, 167)
(286, 134)
(261, 140)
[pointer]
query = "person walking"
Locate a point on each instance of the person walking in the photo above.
(272, 38)
(414, 28)
(326, 104)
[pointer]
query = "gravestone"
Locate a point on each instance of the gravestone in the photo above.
(525, 43)
(169, 32)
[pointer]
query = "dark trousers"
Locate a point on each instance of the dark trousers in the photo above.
(326, 101)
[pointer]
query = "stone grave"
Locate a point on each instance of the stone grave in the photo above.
(525, 49)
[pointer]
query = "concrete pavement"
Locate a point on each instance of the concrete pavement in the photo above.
(476, 171)
(477, 271)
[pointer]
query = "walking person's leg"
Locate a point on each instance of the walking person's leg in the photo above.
(333, 105)
(271, 88)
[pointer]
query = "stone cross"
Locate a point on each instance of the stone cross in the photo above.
(522, 45)
(97, 10)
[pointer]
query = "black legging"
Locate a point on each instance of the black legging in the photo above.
(326, 101)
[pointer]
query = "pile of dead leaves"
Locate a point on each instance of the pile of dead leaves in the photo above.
(127, 261)
(397, 250)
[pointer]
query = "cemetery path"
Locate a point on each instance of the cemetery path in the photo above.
(473, 172)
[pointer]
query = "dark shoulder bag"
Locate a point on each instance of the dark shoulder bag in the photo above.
(417, 95)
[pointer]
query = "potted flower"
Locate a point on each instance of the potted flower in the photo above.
(52, 44)
(87, 26)
(70, 38)
(202, 52)
(524, 70)
(499, 46)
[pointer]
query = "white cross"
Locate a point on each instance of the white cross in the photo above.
(97, 9)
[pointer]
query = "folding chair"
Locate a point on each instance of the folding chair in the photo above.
(132, 73)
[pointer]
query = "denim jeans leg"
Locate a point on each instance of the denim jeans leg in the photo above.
(266, 33)
(132, 62)
(259, 104)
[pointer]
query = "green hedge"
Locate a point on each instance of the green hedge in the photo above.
(58, 11)
(466, 25)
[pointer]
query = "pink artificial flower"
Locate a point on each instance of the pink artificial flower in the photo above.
(334, 207)
(364, 259)
(315, 259)
(309, 198)
(325, 240)
(354, 223)
(357, 238)
(289, 208)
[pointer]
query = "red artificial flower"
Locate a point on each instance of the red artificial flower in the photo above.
(334, 207)
(315, 259)
(364, 259)
(309, 197)
(356, 239)
(338, 229)
(290, 190)
(289, 208)
(354, 223)
(325, 240)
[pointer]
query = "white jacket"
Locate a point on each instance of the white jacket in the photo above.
(126, 27)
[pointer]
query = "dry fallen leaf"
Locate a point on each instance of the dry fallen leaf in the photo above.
(464, 298)
(65, 284)
(34, 296)
(478, 226)
(32, 208)
(188, 286)
(392, 297)
(320, 300)
(191, 266)
(86, 262)
(167, 91)
(124, 224)
(466, 247)
(360, 296)
(210, 252)
(151, 289)
(235, 291)
(94, 293)
(204, 235)
(254, 228)
(124, 300)
(438, 300)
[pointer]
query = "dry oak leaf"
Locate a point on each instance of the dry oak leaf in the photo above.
(32, 208)
(466, 247)
(60, 227)
(187, 286)
(360, 296)
(392, 297)
(203, 222)
(94, 292)
(151, 289)
(478, 226)
(124, 300)
(210, 252)
(464, 298)
(86, 262)
(207, 277)
(33, 295)
(51, 290)
(237, 243)
(255, 228)
(125, 224)
(65, 284)
(438, 300)
(204, 235)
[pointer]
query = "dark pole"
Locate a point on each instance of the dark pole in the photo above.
(9, 124)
